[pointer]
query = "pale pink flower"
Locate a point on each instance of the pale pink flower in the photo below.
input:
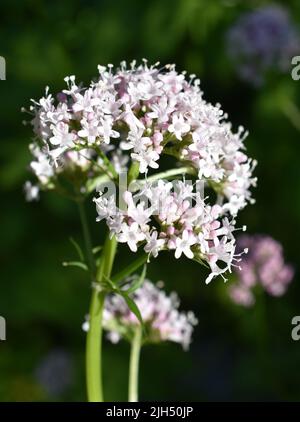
(263, 265)
(178, 126)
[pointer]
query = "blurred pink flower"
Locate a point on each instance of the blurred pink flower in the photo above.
(264, 265)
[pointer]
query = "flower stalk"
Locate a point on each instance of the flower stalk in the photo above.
(93, 349)
(136, 344)
(94, 334)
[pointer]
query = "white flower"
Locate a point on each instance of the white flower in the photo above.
(172, 80)
(146, 159)
(61, 138)
(85, 102)
(31, 192)
(183, 245)
(179, 127)
(138, 213)
(235, 204)
(106, 207)
(41, 166)
(90, 130)
(144, 89)
(136, 142)
(131, 235)
(132, 121)
(154, 245)
(115, 223)
(105, 130)
(162, 109)
(221, 251)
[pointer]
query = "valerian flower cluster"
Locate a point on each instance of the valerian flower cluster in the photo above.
(263, 266)
(132, 118)
(163, 218)
(163, 321)
(147, 112)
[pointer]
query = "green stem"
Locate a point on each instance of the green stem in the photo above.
(133, 171)
(134, 365)
(167, 174)
(94, 334)
(121, 275)
(94, 347)
(87, 237)
(107, 163)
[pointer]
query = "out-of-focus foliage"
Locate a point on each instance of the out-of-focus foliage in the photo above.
(237, 353)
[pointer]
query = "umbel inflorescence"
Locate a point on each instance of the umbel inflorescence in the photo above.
(132, 118)
(170, 216)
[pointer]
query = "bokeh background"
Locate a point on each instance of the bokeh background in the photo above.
(237, 353)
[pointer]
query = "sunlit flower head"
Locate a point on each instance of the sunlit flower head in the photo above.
(174, 217)
(143, 113)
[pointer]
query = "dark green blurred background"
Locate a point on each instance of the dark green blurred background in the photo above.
(237, 354)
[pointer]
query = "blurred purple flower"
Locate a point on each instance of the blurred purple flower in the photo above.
(263, 265)
(262, 40)
(55, 372)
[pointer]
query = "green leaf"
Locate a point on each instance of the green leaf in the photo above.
(114, 287)
(97, 249)
(98, 261)
(167, 174)
(132, 306)
(129, 269)
(133, 171)
(94, 183)
(138, 282)
(107, 163)
(130, 302)
(199, 261)
(78, 264)
(78, 249)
